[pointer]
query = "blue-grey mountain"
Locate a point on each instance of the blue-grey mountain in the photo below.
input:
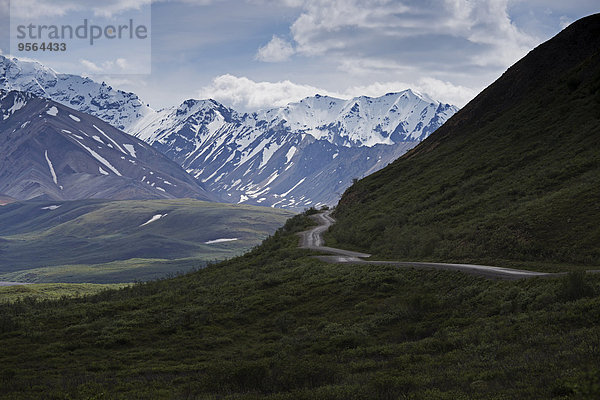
(48, 150)
(304, 154)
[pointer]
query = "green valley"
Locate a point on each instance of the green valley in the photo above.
(119, 241)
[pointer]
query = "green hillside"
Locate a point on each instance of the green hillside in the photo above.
(278, 324)
(514, 177)
(53, 291)
(107, 241)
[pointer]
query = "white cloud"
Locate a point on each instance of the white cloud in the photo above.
(276, 50)
(565, 21)
(91, 66)
(118, 66)
(480, 32)
(250, 95)
(40, 8)
(110, 8)
(446, 92)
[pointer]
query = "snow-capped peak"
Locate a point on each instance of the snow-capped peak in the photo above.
(363, 120)
(118, 108)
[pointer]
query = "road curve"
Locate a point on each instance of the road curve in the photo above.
(313, 239)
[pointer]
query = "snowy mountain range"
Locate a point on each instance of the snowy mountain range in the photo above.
(118, 108)
(304, 154)
(48, 150)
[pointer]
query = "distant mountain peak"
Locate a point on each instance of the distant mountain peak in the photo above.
(119, 108)
(294, 156)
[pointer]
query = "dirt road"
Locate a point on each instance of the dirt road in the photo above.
(313, 239)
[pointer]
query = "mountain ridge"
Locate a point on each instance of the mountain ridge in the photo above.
(117, 107)
(50, 150)
(304, 154)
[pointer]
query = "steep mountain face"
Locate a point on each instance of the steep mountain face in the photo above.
(304, 154)
(51, 151)
(513, 176)
(118, 108)
(364, 121)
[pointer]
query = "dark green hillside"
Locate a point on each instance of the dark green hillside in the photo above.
(276, 324)
(512, 177)
(108, 241)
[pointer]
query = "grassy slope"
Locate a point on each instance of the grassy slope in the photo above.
(52, 291)
(102, 241)
(277, 324)
(513, 177)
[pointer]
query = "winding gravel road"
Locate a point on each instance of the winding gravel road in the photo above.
(313, 239)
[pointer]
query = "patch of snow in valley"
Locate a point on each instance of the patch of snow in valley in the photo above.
(290, 154)
(153, 219)
(74, 118)
(54, 207)
(220, 240)
(109, 138)
(294, 187)
(53, 111)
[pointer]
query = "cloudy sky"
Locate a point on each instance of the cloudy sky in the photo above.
(252, 54)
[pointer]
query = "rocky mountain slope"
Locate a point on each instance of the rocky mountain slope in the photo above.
(52, 151)
(303, 154)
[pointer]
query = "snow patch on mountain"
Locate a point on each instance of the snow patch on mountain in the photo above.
(222, 240)
(54, 178)
(100, 159)
(130, 149)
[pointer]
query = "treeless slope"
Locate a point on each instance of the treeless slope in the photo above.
(513, 176)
